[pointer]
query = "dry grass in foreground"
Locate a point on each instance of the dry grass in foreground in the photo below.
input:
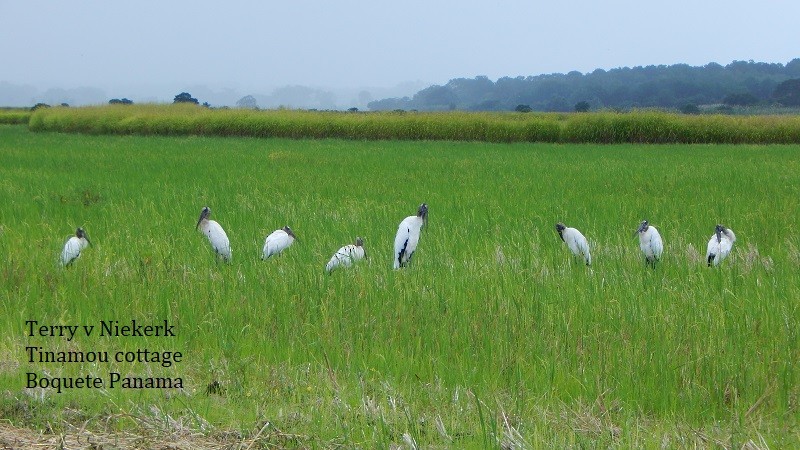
(152, 430)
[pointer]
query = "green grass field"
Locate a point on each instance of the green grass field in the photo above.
(492, 337)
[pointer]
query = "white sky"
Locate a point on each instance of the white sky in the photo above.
(345, 43)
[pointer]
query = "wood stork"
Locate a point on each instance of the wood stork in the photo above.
(576, 242)
(720, 245)
(407, 238)
(216, 235)
(278, 241)
(347, 255)
(74, 246)
(650, 243)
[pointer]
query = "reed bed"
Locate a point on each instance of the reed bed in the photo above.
(643, 127)
(14, 116)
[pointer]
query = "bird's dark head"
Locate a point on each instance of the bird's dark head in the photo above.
(423, 213)
(81, 234)
(360, 243)
(560, 227)
(642, 227)
(718, 230)
(289, 232)
(204, 215)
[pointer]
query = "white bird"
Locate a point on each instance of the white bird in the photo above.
(216, 235)
(73, 247)
(720, 245)
(347, 255)
(407, 238)
(278, 241)
(650, 243)
(576, 242)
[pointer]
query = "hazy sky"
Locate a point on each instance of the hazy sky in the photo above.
(342, 43)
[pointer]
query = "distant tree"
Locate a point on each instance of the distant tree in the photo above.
(206, 105)
(793, 68)
(185, 97)
(690, 108)
(353, 109)
(473, 91)
(788, 93)
(247, 102)
(390, 104)
(117, 101)
(724, 109)
(65, 105)
(582, 106)
(622, 88)
(487, 105)
(740, 99)
(557, 104)
(436, 97)
(39, 105)
(523, 109)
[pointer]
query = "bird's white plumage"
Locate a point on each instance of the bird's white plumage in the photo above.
(577, 244)
(217, 237)
(345, 257)
(406, 240)
(651, 244)
(276, 242)
(719, 249)
(72, 249)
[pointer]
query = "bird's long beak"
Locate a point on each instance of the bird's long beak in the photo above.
(198, 221)
(718, 231)
(204, 214)
(86, 236)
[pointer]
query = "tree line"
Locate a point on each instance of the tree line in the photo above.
(679, 86)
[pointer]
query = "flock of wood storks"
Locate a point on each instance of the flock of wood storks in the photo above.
(407, 238)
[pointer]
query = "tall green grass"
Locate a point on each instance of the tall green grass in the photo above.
(14, 116)
(493, 336)
(605, 127)
(190, 119)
